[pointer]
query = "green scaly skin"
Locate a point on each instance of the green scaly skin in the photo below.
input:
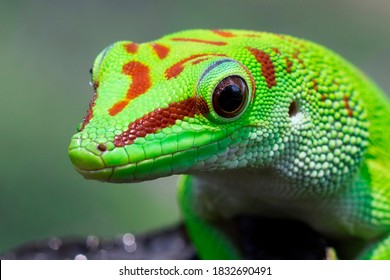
(294, 131)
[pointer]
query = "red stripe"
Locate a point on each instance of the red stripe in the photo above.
(161, 118)
(223, 33)
(267, 67)
(139, 85)
(315, 85)
(161, 50)
(349, 110)
(252, 35)
(276, 50)
(288, 65)
(177, 68)
(199, 60)
(131, 47)
(296, 56)
(216, 43)
(89, 115)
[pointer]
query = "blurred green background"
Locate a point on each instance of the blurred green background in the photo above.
(46, 50)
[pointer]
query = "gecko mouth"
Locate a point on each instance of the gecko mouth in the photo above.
(147, 160)
(112, 174)
(128, 173)
(96, 166)
(103, 174)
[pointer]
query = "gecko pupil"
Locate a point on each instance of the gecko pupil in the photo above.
(230, 96)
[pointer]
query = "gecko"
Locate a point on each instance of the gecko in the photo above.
(256, 123)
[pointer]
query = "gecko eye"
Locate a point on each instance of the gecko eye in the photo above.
(227, 88)
(94, 71)
(91, 78)
(230, 97)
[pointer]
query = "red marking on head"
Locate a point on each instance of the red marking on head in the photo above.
(159, 119)
(201, 106)
(267, 67)
(216, 43)
(294, 41)
(161, 50)
(222, 33)
(276, 50)
(199, 60)
(118, 107)
(131, 47)
(177, 68)
(95, 86)
(280, 36)
(89, 115)
(296, 56)
(288, 65)
(349, 110)
(315, 85)
(139, 85)
(252, 35)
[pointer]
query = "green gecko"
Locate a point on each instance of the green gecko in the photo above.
(259, 124)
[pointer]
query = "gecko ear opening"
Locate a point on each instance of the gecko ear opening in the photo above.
(293, 109)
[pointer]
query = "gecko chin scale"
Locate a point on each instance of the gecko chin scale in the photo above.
(102, 147)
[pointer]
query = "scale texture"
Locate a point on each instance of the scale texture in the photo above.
(260, 124)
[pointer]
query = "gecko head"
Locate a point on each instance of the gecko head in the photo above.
(185, 104)
(180, 115)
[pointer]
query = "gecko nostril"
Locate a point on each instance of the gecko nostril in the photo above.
(102, 147)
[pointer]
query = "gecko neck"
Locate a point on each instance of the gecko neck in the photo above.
(248, 191)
